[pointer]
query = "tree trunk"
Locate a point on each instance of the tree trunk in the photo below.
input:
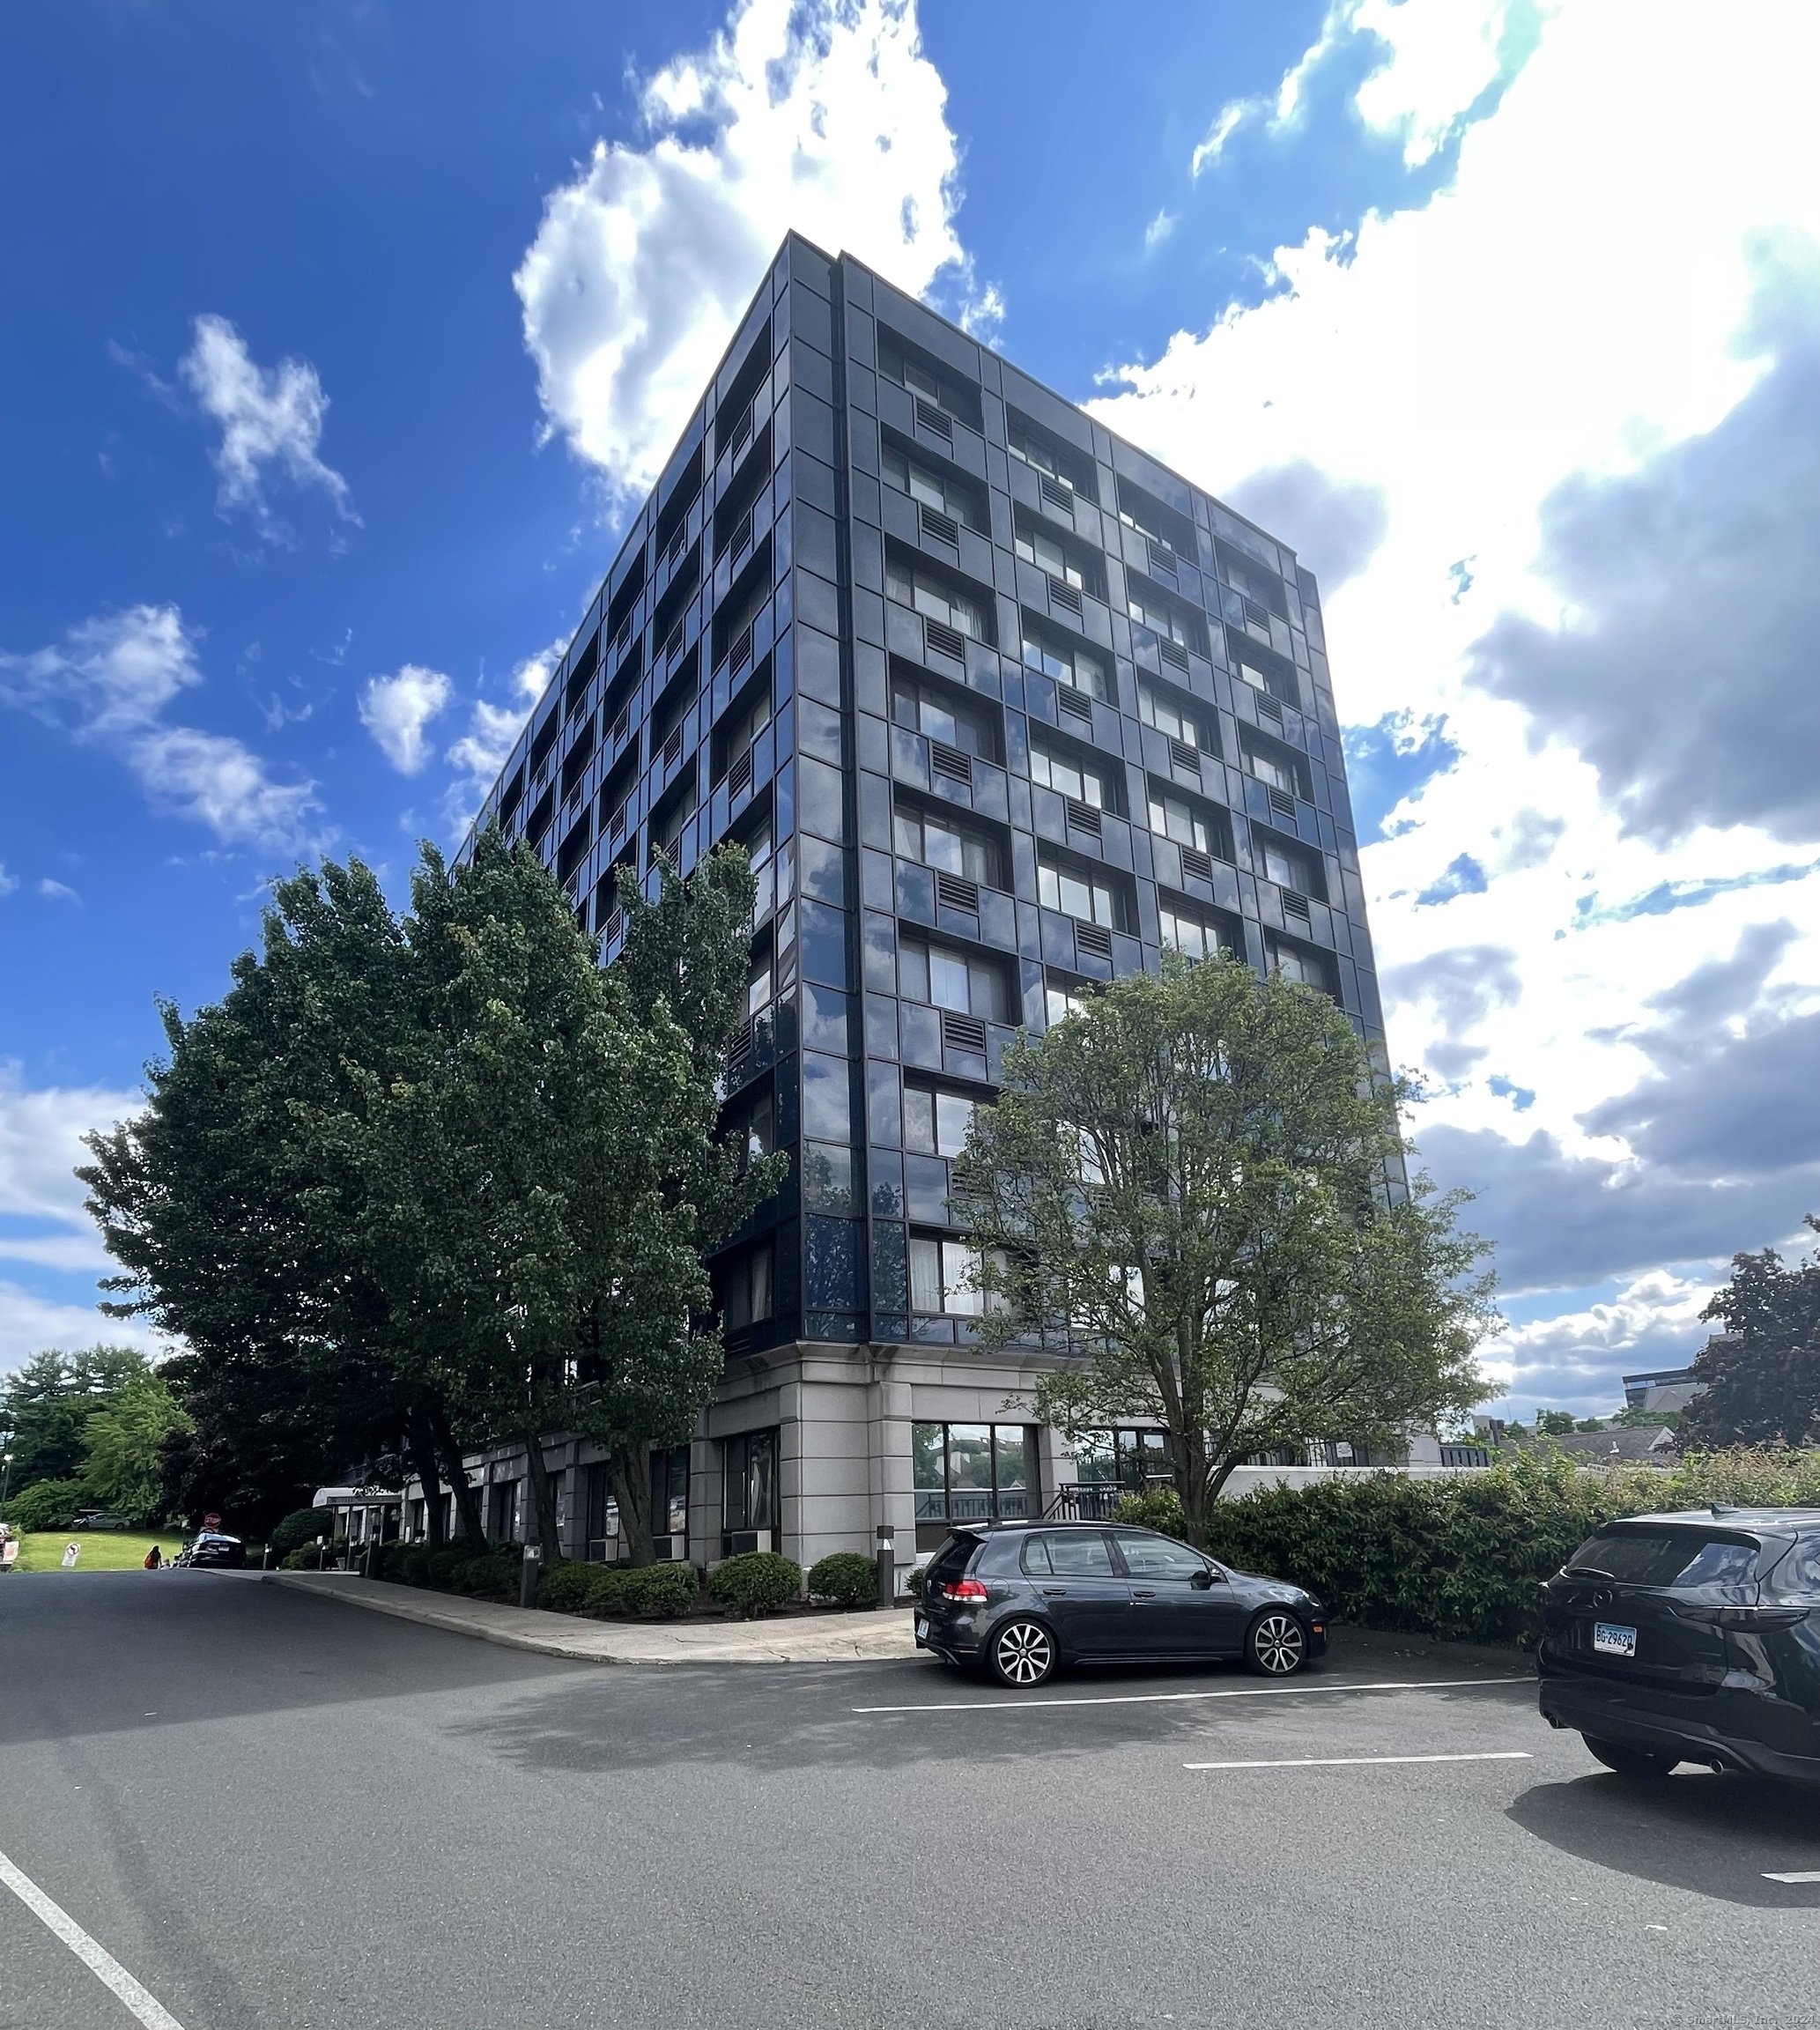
(631, 1471)
(543, 1500)
(421, 1441)
(467, 1505)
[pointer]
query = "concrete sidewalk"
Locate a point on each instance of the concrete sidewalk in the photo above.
(818, 1638)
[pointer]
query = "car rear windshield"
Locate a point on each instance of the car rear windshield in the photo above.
(1642, 1556)
(950, 1561)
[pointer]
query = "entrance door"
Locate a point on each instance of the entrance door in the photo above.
(1080, 1590)
(1171, 1615)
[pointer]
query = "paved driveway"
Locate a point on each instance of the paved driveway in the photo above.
(271, 1810)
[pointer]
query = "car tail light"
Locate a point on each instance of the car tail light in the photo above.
(967, 1590)
(1758, 1618)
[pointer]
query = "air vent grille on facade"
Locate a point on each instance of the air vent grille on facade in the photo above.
(673, 645)
(1197, 863)
(963, 1031)
(1056, 493)
(673, 749)
(1172, 652)
(1083, 817)
(1074, 703)
(739, 777)
(1093, 940)
(742, 651)
(623, 635)
(1064, 594)
(1269, 708)
(739, 1057)
(930, 417)
(742, 535)
(1283, 804)
(939, 527)
(1294, 905)
(950, 762)
(943, 640)
(1185, 756)
(954, 893)
(610, 931)
(622, 725)
(1162, 557)
(616, 824)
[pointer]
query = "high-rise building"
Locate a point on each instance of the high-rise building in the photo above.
(1000, 707)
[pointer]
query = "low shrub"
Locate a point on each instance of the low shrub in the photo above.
(913, 1584)
(46, 1505)
(301, 1526)
(302, 1559)
(565, 1585)
(846, 1578)
(647, 1593)
(1463, 1557)
(1156, 1508)
(493, 1577)
(441, 1566)
(755, 1583)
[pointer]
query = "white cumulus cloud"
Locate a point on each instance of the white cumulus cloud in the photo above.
(108, 683)
(827, 118)
(480, 753)
(1510, 369)
(269, 417)
(397, 710)
(41, 1144)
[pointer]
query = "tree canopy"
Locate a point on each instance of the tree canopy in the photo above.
(418, 1181)
(1759, 1378)
(1195, 1185)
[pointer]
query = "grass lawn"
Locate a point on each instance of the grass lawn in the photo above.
(103, 1550)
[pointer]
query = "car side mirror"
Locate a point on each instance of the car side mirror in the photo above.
(1203, 1580)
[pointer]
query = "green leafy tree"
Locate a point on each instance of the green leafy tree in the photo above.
(124, 1444)
(544, 1177)
(45, 1405)
(232, 1207)
(1555, 1422)
(1760, 1376)
(1195, 1184)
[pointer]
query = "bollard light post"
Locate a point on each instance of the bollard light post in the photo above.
(5, 1476)
(887, 1567)
(528, 1575)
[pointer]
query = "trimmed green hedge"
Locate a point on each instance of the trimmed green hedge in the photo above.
(644, 1593)
(755, 1583)
(1463, 1557)
(301, 1526)
(848, 1578)
(565, 1585)
(1159, 1508)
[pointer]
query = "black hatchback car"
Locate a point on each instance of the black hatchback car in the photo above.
(212, 1547)
(1691, 1637)
(1022, 1599)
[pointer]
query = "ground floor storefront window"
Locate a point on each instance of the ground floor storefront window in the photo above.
(972, 1473)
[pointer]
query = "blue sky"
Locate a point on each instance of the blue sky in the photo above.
(321, 395)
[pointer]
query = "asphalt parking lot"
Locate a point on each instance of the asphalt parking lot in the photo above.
(272, 1811)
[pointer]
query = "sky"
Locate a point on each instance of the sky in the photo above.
(340, 336)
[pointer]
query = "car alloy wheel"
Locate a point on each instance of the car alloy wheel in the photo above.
(1631, 1762)
(1023, 1655)
(1277, 1646)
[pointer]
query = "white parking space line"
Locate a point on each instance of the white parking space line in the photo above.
(1185, 1698)
(99, 1962)
(1357, 1762)
(1799, 1875)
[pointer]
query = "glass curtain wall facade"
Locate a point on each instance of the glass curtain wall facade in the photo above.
(1000, 707)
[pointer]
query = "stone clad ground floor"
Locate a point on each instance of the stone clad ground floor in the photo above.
(811, 1449)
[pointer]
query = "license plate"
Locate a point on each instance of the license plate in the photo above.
(1611, 1639)
(922, 1628)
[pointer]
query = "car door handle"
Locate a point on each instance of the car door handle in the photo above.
(1143, 1592)
(1053, 1592)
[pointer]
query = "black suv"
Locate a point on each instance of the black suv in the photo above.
(1691, 1638)
(1023, 1598)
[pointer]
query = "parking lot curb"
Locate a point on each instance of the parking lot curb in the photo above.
(825, 1638)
